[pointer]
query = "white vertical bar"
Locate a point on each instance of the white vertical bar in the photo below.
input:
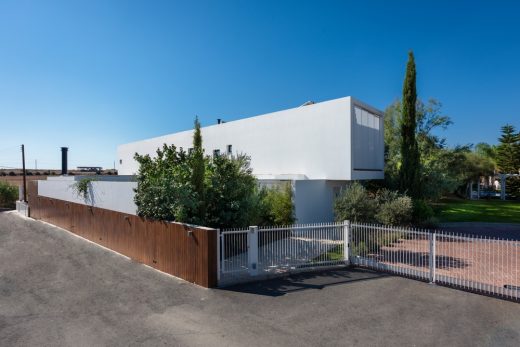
(346, 238)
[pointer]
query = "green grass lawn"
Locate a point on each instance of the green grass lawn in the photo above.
(493, 211)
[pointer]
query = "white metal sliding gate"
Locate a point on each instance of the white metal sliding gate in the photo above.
(270, 251)
(470, 262)
(475, 263)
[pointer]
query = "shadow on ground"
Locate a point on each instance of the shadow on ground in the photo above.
(306, 281)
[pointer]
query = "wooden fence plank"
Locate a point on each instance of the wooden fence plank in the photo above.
(178, 249)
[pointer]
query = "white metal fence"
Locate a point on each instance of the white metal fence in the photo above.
(269, 251)
(476, 263)
(470, 262)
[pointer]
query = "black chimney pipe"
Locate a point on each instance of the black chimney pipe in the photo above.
(64, 151)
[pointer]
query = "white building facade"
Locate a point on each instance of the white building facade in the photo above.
(318, 148)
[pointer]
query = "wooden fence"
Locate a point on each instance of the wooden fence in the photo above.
(177, 249)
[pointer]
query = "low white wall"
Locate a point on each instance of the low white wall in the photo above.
(313, 199)
(110, 195)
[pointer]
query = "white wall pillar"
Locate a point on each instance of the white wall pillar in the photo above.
(252, 250)
(346, 238)
(502, 186)
(432, 257)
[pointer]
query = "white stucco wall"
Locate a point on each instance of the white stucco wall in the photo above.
(111, 195)
(313, 141)
(314, 200)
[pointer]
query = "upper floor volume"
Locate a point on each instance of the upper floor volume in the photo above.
(341, 139)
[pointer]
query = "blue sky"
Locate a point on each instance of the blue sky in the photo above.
(94, 74)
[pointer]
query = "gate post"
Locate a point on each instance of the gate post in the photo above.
(252, 250)
(346, 237)
(432, 257)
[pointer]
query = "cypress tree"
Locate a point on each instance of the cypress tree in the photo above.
(198, 171)
(409, 172)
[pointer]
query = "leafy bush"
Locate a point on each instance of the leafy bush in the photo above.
(422, 211)
(230, 188)
(276, 206)
(163, 188)
(355, 205)
(395, 212)
(81, 188)
(389, 207)
(8, 195)
(218, 192)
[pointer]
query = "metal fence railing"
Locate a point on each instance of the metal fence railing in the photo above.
(270, 251)
(471, 262)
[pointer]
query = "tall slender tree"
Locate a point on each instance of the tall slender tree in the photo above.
(508, 159)
(409, 172)
(508, 151)
(198, 171)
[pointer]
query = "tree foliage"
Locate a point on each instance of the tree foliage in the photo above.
(409, 171)
(388, 207)
(354, 204)
(230, 192)
(218, 192)
(435, 159)
(508, 151)
(276, 205)
(508, 159)
(164, 189)
(8, 195)
(198, 168)
(443, 169)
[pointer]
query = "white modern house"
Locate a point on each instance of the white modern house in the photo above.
(317, 147)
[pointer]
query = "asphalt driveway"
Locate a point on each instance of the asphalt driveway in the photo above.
(57, 289)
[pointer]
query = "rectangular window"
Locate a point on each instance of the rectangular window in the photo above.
(120, 161)
(190, 150)
(216, 153)
(229, 149)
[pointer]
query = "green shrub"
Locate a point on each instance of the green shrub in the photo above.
(163, 186)
(8, 195)
(82, 187)
(219, 191)
(395, 212)
(388, 207)
(422, 211)
(355, 205)
(230, 187)
(165, 190)
(276, 206)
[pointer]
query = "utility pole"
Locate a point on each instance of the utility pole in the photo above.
(24, 176)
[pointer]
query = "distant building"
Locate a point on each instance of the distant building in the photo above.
(96, 169)
(317, 147)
